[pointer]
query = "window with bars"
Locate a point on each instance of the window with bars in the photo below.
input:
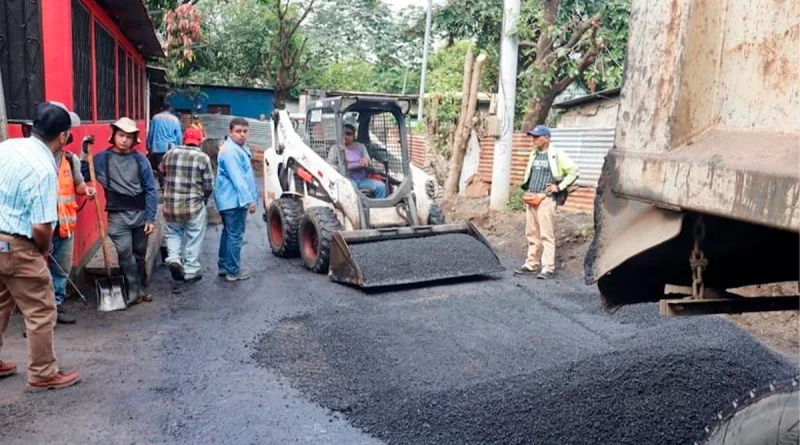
(121, 96)
(105, 46)
(82, 60)
(21, 58)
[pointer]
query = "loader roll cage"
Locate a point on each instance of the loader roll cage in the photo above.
(380, 125)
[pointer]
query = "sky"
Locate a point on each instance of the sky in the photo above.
(400, 4)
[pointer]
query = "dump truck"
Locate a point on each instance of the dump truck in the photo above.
(701, 191)
(314, 209)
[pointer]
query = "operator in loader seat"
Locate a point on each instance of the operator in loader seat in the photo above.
(357, 158)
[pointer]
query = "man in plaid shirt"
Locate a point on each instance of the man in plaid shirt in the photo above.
(189, 181)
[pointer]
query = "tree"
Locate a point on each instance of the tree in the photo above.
(286, 58)
(183, 31)
(561, 42)
(158, 8)
(364, 33)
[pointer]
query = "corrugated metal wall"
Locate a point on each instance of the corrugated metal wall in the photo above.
(217, 126)
(586, 146)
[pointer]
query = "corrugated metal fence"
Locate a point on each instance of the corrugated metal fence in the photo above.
(217, 125)
(586, 146)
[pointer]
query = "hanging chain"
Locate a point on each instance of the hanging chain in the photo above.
(698, 260)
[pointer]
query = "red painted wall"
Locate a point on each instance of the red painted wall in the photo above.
(58, 81)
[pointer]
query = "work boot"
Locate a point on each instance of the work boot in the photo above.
(545, 275)
(221, 273)
(192, 278)
(176, 269)
(241, 276)
(58, 381)
(525, 270)
(65, 318)
(7, 368)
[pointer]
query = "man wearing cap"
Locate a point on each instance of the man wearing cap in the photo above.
(28, 211)
(165, 131)
(188, 182)
(354, 159)
(548, 175)
(131, 202)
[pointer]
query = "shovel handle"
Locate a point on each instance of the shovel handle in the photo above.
(100, 226)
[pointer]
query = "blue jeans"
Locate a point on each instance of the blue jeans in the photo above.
(62, 254)
(230, 243)
(195, 231)
(377, 188)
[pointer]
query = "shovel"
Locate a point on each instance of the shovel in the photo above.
(110, 290)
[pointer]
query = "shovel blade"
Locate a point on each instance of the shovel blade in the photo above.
(111, 294)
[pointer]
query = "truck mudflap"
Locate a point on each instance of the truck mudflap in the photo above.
(406, 255)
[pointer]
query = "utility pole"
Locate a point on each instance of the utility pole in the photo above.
(425, 61)
(507, 95)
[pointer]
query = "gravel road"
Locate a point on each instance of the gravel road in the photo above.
(289, 357)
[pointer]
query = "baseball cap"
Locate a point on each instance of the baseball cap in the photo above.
(540, 130)
(192, 136)
(51, 118)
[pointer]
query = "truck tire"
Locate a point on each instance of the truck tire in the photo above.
(770, 418)
(316, 235)
(435, 215)
(283, 220)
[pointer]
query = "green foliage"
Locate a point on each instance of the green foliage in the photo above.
(515, 203)
(481, 21)
(364, 37)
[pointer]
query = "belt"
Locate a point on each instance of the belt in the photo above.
(17, 236)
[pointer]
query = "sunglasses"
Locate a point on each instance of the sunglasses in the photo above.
(349, 133)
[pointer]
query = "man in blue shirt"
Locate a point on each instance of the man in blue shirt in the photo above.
(28, 197)
(165, 129)
(235, 194)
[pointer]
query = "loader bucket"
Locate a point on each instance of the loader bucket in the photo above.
(405, 255)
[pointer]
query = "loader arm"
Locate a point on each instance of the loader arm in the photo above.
(295, 156)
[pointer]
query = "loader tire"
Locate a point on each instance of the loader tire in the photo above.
(283, 221)
(316, 235)
(771, 417)
(435, 215)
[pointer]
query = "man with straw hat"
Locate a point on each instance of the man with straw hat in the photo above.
(131, 202)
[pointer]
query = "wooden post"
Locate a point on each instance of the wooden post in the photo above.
(465, 123)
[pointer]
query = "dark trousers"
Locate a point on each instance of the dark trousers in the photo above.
(155, 161)
(230, 243)
(131, 245)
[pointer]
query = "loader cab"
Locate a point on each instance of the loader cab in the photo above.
(380, 127)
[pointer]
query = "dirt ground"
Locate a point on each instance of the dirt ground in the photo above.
(506, 231)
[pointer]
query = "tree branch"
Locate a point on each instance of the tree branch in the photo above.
(586, 61)
(302, 18)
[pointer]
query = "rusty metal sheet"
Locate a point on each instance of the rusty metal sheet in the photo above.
(747, 176)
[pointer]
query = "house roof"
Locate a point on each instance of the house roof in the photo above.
(589, 98)
(135, 23)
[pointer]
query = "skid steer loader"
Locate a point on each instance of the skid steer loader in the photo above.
(313, 209)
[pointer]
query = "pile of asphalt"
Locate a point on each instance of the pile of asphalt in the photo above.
(491, 363)
(410, 260)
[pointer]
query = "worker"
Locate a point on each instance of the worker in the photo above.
(196, 124)
(131, 202)
(235, 194)
(356, 157)
(165, 131)
(70, 185)
(28, 194)
(188, 182)
(547, 176)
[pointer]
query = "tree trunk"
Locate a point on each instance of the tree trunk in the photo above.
(538, 109)
(463, 131)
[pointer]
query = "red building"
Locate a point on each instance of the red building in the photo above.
(88, 54)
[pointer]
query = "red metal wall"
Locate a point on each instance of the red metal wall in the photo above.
(58, 81)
